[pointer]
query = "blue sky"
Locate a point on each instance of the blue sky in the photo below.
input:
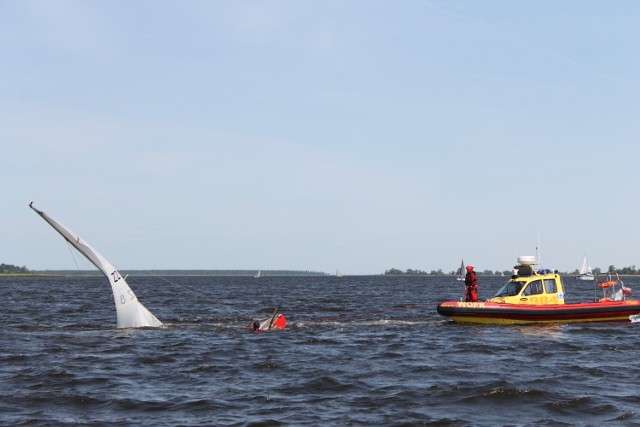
(359, 135)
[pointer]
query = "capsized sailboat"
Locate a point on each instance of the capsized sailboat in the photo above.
(271, 323)
(130, 313)
(585, 271)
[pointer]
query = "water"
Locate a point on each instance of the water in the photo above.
(357, 350)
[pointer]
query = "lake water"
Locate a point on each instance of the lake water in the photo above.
(357, 350)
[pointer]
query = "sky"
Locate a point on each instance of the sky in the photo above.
(352, 135)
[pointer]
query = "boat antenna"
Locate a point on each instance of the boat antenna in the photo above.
(538, 251)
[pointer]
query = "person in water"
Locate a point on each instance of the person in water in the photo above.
(471, 285)
(255, 326)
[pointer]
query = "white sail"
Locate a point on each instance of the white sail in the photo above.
(585, 271)
(129, 311)
(338, 274)
(461, 272)
(585, 267)
(258, 274)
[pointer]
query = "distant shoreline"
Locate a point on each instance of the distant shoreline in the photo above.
(222, 273)
(234, 273)
(33, 275)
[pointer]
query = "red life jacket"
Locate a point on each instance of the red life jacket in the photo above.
(471, 279)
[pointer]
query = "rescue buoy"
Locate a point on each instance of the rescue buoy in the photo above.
(607, 284)
(605, 299)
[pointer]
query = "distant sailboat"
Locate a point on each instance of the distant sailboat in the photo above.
(130, 313)
(338, 274)
(258, 274)
(585, 271)
(461, 272)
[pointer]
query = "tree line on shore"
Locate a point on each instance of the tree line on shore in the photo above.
(13, 269)
(631, 270)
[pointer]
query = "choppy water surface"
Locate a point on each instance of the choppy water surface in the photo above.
(357, 350)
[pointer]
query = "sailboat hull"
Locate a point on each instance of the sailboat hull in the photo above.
(273, 323)
(497, 313)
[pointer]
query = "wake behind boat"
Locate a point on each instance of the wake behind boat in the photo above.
(130, 313)
(538, 297)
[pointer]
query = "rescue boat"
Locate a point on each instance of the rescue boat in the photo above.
(537, 296)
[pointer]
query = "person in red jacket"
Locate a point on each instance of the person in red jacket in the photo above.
(471, 284)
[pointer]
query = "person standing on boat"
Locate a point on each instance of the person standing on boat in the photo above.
(471, 284)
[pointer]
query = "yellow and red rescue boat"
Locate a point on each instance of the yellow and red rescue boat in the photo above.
(538, 297)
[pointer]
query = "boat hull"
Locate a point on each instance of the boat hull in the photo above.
(497, 313)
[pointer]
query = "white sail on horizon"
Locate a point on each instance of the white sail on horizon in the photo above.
(130, 313)
(461, 272)
(585, 271)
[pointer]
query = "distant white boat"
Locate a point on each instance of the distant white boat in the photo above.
(130, 313)
(461, 272)
(585, 271)
(258, 274)
(338, 274)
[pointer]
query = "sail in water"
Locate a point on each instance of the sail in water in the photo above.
(461, 272)
(130, 313)
(585, 271)
(338, 274)
(258, 274)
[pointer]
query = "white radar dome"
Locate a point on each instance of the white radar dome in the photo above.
(526, 260)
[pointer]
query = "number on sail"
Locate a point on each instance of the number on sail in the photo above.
(116, 276)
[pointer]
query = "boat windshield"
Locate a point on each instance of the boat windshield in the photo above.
(510, 289)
